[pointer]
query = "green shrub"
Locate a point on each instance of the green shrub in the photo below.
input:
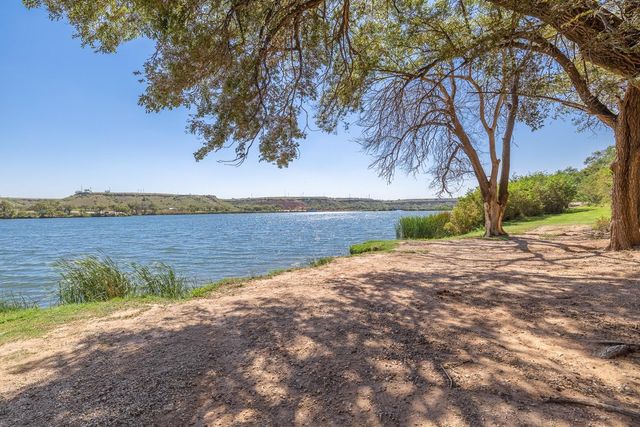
(540, 194)
(467, 215)
(595, 187)
(159, 280)
(91, 279)
(602, 226)
(423, 227)
(524, 200)
(529, 196)
(595, 181)
(373, 246)
(557, 191)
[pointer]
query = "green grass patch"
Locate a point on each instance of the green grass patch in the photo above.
(373, 246)
(34, 322)
(208, 289)
(587, 215)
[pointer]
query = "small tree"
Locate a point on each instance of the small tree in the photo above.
(442, 121)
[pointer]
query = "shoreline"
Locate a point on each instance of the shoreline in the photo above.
(222, 213)
(448, 330)
(98, 204)
(576, 216)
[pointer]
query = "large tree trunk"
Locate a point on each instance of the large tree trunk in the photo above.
(625, 203)
(493, 214)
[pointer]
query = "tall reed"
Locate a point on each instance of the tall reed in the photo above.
(159, 280)
(15, 302)
(423, 227)
(100, 279)
(91, 279)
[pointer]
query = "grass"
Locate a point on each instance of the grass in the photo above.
(206, 290)
(31, 321)
(34, 322)
(13, 303)
(93, 279)
(373, 246)
(159, 280)
(423, 227)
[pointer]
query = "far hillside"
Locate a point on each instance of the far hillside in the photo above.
(88, 203)
(276, 204)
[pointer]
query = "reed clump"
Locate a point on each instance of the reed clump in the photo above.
(93, 279)
(423, 227)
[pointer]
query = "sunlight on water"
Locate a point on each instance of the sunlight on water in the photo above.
(202, 247)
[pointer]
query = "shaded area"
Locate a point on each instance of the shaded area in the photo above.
(449, 333)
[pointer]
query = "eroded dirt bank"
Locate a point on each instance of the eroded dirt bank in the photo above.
(469, 332)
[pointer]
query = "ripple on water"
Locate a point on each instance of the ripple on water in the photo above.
(201, 247)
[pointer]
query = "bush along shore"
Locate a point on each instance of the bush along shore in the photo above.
(530, 196)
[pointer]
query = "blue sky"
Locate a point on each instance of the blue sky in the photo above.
(69, 118)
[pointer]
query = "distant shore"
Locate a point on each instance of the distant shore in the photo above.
(105, 204)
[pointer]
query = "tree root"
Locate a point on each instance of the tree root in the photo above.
(598, 405)
(451, 383)
(632, 344)
(616, 349)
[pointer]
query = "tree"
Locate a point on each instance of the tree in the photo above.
(7, 209)
(425, 108)
(604, 33)
(442, 121)
(249, 69)
(624, 120)
(594, 181)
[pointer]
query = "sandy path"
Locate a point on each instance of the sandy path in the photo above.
(454, 333)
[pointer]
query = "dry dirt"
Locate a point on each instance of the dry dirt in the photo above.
(469, 332)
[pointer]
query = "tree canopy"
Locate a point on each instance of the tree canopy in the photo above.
(259, 72)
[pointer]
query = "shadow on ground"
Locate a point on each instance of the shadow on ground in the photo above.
(469, 338)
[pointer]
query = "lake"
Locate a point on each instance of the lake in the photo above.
(203, 248)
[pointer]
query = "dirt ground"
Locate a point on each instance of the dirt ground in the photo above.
(452, 333)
